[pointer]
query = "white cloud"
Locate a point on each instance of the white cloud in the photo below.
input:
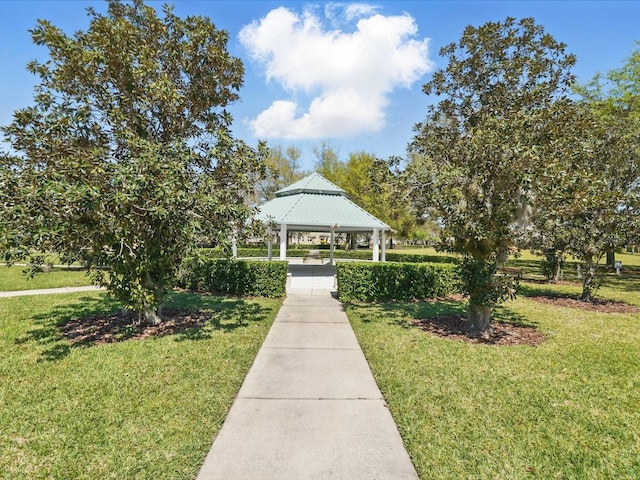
(347, 12)
(346, 76)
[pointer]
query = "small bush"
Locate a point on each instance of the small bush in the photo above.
(380, 282)
(234, 277)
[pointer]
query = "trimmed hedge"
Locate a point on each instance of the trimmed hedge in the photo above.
(379, 282)
(301, 251)
(414, 258)
(396, 257)
(234, 277)
(252, 252)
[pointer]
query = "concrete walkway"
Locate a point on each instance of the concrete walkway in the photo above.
(309, 407)
(307, 279)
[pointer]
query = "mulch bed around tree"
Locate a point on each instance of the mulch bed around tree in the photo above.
(116, 327)
(602, 306)
(503, 333)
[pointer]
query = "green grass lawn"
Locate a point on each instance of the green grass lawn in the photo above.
(13, 278)
(131, 409)
(412, 250)
(569, 408)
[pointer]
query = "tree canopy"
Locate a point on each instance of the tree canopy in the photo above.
(282, 169)
(588, 197)
(126, 155)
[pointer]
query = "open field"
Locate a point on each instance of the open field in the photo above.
(13, 278)
(568, 408)
(525, 255)
(133, 408)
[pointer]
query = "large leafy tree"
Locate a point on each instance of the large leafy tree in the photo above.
(475, 154)
(387, 198)
(282, 169)
(617, 93)
(126, 155)
(587, 200)
(328, 163)
(602, 196)
(615, 97)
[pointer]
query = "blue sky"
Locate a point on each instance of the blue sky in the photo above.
(348, 74)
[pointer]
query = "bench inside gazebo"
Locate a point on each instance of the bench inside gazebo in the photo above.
(314, 204)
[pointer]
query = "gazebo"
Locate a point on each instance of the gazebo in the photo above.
(314, 204)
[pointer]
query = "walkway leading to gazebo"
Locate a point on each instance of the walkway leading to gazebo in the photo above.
(309, 407)
(307, 279)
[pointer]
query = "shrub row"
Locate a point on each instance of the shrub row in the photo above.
(396, 257)
(245, 252)
(253, 252)
(379, 282)
(234, 277)
(412, 258)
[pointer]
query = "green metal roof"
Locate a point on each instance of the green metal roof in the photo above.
(314, 204)
(314, 183)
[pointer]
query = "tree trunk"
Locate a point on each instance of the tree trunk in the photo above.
(478, 319)
(588, 285)
(556, 272)
(151, 317)
(552, 264)
(611, 258)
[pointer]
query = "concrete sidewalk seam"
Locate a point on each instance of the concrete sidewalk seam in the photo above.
(323, 399)
(312, 348)
(309, 323)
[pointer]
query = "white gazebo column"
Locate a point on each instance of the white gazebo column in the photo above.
(270, 246)
(283, 241)
(376, 246)
(383, 253)
(234, 245)
(332, 238)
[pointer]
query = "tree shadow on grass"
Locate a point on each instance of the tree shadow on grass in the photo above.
(398, 312)
(628, 280)
(531, 289)
(548, 295)
(224, 314)
(92, 321)
(446, 318)
(47, 330)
